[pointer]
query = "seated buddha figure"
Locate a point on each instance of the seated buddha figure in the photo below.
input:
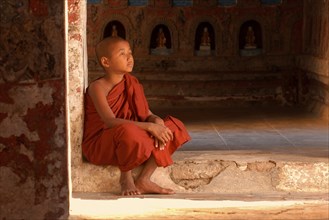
(161, 39)
(250, 39)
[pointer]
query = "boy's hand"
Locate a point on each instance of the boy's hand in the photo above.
(155, 119)
(159, 144)
(161, 135)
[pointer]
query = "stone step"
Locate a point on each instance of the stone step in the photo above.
(211, 185)
(219, 172)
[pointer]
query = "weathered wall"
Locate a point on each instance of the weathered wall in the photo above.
(229, 75)
(33, 149)
(314, 61)
(281, 32)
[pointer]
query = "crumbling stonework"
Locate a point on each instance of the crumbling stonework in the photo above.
(33, 150)
(193, 174)
(304, 177)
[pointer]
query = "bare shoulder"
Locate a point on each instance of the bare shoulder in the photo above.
(99, 87)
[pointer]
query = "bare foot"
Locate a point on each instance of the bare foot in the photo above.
(128, 187)
(149, 187)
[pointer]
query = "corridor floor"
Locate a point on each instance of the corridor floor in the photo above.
(271, 129)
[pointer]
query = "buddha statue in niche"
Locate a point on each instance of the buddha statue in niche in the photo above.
(250, 39)
(204, 47)
(161, 39)
(114, 32)
(205, 39)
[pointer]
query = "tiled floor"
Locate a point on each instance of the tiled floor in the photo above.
(268, 129)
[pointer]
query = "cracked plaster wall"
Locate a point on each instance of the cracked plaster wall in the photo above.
(33, 149)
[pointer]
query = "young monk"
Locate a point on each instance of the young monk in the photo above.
(120, 129)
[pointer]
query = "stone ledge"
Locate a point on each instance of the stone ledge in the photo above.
(219, 172)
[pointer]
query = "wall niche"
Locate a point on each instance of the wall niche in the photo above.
(250, 39)
(160, 40)
(204, 41)
(114, 28)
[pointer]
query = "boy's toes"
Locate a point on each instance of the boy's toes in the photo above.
(130, 193)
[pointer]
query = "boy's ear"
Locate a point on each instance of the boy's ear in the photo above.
(105, 62)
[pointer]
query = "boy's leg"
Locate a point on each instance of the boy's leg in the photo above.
(144, 183)
(128, 187)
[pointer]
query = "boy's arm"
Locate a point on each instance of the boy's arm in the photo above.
(98, 94)
(154, 118)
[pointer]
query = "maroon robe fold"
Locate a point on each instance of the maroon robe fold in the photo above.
(127, 145)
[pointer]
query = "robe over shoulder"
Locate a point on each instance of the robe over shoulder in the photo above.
(127, 145)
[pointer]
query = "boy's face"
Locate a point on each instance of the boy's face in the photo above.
(120, 59)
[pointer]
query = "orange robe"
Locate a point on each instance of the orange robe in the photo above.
(127, 145)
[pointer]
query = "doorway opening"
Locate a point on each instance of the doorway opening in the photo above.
(212, 128)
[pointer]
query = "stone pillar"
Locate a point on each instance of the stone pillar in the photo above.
(77, 74)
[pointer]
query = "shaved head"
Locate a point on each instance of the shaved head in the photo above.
(105, 47)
